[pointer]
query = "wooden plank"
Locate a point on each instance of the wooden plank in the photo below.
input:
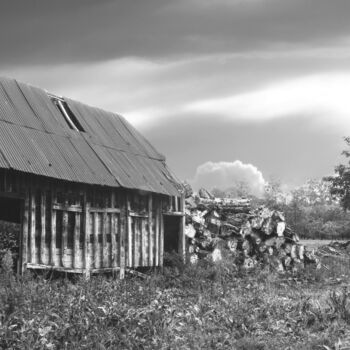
(54, 268)
(122, 234)
(135, 235)
(129, 232)
(143, 239)
(182, 238)
(32, 227)
(161, 238)
(53, 230)
(25, 229)
(73, 208)
(150, 232)
(87, 232)
(95, 215)
(135, 243)
(176, 207)
(177, 213)
(76, 241)
(170, 203)
(64, 237)
(105, 210)
(113, 233)
(43, 225)
(157, 228)
(137, 215)
(105, 252)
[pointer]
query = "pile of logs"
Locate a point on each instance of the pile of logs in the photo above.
(217, 226)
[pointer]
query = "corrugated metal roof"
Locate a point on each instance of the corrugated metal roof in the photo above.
(35, 138)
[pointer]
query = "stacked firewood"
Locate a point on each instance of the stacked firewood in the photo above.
(217, 226)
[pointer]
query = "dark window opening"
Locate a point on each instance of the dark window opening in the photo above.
(68, 115)
(10, 227)
(10, 209)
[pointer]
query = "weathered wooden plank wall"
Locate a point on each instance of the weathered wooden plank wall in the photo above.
(81, 228)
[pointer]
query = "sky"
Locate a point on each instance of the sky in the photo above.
(227, 90)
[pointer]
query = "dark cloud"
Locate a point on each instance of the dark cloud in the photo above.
(36, 31)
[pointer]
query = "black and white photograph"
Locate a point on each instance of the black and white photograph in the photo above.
(175, 174)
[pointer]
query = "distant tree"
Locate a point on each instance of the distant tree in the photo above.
(313, 192)
(274, 197)
(340, 182)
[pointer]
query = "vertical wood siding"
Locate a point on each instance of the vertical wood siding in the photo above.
(84, 228)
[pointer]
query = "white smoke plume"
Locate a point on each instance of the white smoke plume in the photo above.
(226, 175)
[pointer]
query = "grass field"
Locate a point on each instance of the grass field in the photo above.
(187, 307)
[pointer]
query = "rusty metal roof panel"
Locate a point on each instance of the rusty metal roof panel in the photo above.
(35, 137)
(20, 152)
(134, 146)
(90, 122)
(158, 172)
(112, 130)
(7, 109)
(23, 114)
(136, 172)
(44, 109)
(109, 158)
(101, 173)
(78, 166)
(132, 162)
(147, 148)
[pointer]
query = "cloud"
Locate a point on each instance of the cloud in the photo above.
(224, 175)
(325, 95)
(37, 31)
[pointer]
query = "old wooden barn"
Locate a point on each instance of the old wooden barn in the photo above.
(90, 193)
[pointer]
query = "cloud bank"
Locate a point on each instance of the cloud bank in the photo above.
(323, 94)
(224, 175)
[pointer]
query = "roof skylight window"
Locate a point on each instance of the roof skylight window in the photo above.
(68, 115)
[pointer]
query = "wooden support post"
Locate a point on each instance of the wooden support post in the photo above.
(43, 227)
(64, 237)
(176, 199)
(158, 210)
(150, 232)
(136, 237)
(161, 236)
(87, 232)
(104, 239)
(53, 229)
(122, 233)
(143, 239)
(129, 230)
(96, 240)
(170, 204)
(113, 233)
(76, 242)
(32, 226)
(25, 229)
(182, 237)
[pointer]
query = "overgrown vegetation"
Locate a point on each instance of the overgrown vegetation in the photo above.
(311, 210)
(205, 306)
(9, 233)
